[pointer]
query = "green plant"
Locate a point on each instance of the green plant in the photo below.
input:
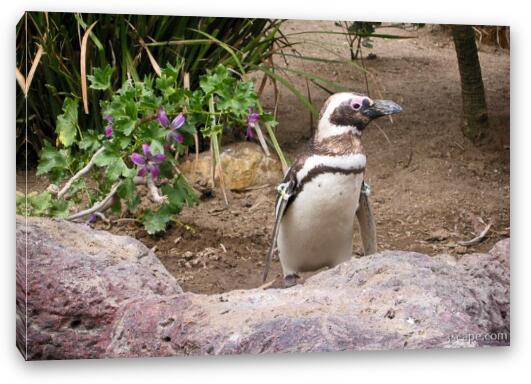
(148, 125)
(361, 34)
(358, 34)
(132, 45)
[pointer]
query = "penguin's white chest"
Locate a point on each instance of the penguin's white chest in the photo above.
(317, 228)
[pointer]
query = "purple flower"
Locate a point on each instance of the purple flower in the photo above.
(164, 120)
(108, 131)
(148, 163)
(173, 135)
(176, 123)
(252, 119)
(108, 128)
(162, 117)
(91, 219)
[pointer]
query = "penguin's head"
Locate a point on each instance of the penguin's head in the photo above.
(351, 112)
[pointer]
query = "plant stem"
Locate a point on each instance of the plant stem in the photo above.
(275, 142)
(83, 171)
(215, 150)
(154, 191)
(98, 207)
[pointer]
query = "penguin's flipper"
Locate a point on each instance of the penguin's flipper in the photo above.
(366, 221)
(285, 191)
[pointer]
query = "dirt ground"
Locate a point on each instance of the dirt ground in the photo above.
(431, 187)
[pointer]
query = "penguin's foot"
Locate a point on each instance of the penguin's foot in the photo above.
(290, 280)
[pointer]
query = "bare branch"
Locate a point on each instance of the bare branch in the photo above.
(98, 207)
(261, 139)
(104, 219)
(476, 239)
(154, 192)
(83, 171)
(268, 284)
(52, 188)
(139, 180)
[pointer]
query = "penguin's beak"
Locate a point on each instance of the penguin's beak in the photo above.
(381, 108)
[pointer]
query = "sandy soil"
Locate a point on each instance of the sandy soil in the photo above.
(431, 187)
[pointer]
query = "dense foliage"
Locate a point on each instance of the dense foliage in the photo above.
(146, 126)
(123, 43)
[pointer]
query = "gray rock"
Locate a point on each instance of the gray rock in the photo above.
(77, 278)
(92, 294)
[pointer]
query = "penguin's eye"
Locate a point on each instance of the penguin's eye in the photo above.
(356, 106)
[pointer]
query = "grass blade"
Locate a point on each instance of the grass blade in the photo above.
(152, 60)
(33, 68)
(289, 86)
(225, 47)
(83, 66)
(338, 87)
(21, 81)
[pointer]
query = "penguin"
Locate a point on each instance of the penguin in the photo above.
(324, 191)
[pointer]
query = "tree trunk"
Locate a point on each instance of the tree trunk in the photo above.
(473, 93)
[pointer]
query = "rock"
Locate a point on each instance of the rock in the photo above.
(501, 252)
(77, 278)
(244, 165)
(92, 294)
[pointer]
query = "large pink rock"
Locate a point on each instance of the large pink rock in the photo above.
(77, 278)
(92, 294)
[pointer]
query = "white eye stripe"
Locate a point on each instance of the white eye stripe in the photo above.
(327, 129)
(352, 162)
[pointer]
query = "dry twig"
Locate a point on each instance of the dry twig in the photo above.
(83, 66)
(83, 171)
(268, 284)
(98, 207)
(156, 197)
(478, 238)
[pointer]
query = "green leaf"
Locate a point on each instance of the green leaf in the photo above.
(90, 141)
(60, 208)
(217, 81)
(179, 194)
(50, 159)
(166, 168)
(78, 185)
(116, 206)
(42, 204)
(39, 203)
(66, 126)
(101, 78)
(127, 192)
(22, 208)
(115, 166)
(166, 85)
(156, 147)
(170, 71)
(155, 222)
(124, 142)
(131, 110)
(153, 131)
(116, 169)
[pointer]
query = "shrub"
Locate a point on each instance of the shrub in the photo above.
(146, 126)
